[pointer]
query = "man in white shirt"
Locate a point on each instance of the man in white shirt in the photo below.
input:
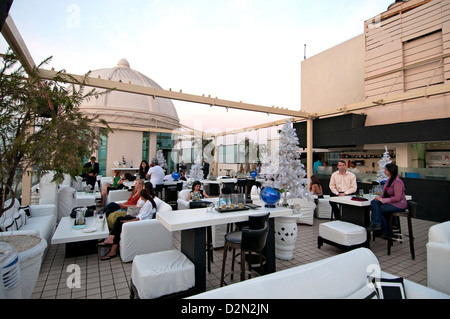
(155, 173)
(342, 183)
(353, 168)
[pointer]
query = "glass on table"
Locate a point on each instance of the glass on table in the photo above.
(210, 208)
(361, 192)
(241, 201)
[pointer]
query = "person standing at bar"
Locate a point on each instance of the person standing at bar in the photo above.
(92, 171)
(342, 183)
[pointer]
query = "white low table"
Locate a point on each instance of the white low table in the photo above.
(193, 223)
(79, 241)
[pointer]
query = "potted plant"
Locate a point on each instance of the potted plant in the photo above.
(41, 129)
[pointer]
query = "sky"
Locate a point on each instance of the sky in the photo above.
(238, 50)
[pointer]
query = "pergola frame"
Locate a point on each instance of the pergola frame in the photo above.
(17, 44)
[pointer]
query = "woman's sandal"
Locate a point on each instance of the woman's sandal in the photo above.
(106, 257)
(103, 244)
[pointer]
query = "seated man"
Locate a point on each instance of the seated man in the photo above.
(342, 183)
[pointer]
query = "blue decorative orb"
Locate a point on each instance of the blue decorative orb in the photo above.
(270, 196)
(176, 176)
(253, 174)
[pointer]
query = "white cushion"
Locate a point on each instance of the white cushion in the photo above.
(334, 277)
(366, 292)
(162, 273)
(438, 257)
(143, 237)
(343, 233)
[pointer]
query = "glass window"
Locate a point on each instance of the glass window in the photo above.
(146, 146)
(102, 154)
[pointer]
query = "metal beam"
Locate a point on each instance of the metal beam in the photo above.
(179, 96)
(15, 41)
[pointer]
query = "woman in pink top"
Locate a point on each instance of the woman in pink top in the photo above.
(392, 200)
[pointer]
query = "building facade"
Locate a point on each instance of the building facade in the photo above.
(396, 75)
(142, 124)
(390, 86)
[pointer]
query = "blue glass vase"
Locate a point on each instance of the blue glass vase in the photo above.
(253, 174)
(270, 196)
(176, 176)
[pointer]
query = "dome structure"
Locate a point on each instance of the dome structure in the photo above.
(130, 109)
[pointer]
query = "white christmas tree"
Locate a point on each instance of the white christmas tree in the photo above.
(290, 175)
(161, 159)
(196, 172)
(386, 159)
(268, 170)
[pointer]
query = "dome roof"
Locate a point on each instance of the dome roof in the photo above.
(129, 108)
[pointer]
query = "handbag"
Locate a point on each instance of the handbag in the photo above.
(89, 212)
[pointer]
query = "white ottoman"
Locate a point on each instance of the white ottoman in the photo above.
(342, 234)
(162, 273)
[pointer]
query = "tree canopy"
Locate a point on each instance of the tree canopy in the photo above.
(41, 125)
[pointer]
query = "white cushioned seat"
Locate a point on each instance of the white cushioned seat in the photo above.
(343, 233)
(163, 273)
(323, 207)
(438, 257)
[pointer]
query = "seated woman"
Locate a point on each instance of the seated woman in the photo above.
(117, 184)
(197, 194)
(131, 202)
(392, 200)
(314, 186)
(147, 211)
(183, 176)
(143, 169)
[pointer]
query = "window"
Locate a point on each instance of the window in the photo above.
(228, 154)
(102, 154)
(146, 146)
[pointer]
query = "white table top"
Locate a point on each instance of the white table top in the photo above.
(66, 234)
(195, 218)
(348, 200)
(84, 195)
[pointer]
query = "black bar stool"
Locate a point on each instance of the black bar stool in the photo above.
(250, 239)
(409, 213)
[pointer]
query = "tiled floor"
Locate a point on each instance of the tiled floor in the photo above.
(110, 279)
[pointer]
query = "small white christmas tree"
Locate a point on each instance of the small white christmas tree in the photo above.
(196, 172)
(290, 175)
(386, 159)
(161, 159)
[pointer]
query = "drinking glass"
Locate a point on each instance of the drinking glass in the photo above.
(361, 192)
(241, 200)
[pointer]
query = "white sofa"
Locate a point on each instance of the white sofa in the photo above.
(182, 201)
(338, 277)
(305, 208)
(146, 236)
(118, 196)
(41, 222)
(438, 257)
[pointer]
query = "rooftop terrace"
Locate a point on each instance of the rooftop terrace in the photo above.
(110, 279)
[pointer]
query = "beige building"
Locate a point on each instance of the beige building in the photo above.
(142, 124)
(395, 74)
